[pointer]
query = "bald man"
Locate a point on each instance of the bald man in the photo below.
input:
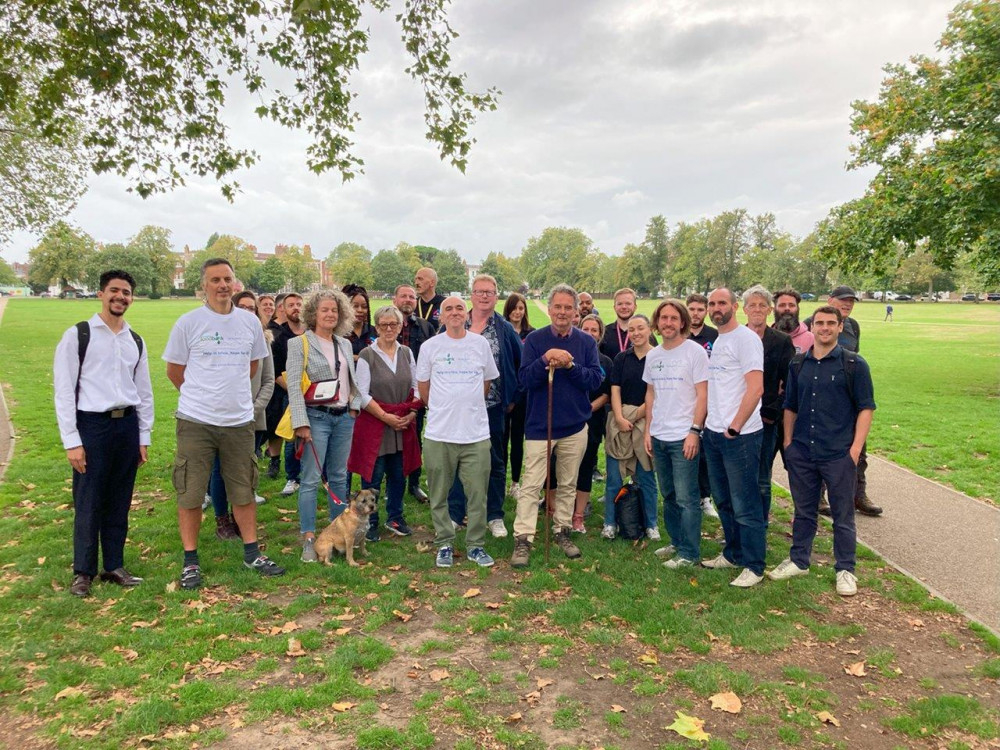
(428, 300)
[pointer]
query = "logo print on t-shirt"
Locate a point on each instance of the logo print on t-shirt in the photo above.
(217, 337)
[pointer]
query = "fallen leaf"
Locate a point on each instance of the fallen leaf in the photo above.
(345, 617)
(439, 674)
(492, 605)
(171, 587)
(690, 727)
(344, 706)
(728, 702)
(384, 706)
(342, 631)
(618, 709)
(471, 593)
(916, 623)
(41, 561)
(543, 683)
(295, 648)
(143, 624)
(649, 658)
(385, 580)
(402, 615)
(513, 718)
(68, 693)
(856, 670)
(827, 718)
(694, 582)
(395, 568)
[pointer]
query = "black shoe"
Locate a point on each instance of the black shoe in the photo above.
(81, 585)
(265, 566)
(191, 577)
(274, 467)
(121, 577)
(865, 506)
(399, 528)
(419, 495)
(372, 535)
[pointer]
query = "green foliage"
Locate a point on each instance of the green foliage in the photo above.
(116, 255)
(234, 249)
(560, 255)
(351, 263)
(7, 277)
(147, 89)
(154, 243)
(451, 271)
(268, 276)
(389, 270)
(299, 270)
(505, 270)
(934, 136)
(61, 257)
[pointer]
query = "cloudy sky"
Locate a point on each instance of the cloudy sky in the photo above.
(612, 111)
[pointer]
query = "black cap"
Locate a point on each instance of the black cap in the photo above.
(843, 292)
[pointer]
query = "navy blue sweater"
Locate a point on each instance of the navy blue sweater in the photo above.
(570, 389)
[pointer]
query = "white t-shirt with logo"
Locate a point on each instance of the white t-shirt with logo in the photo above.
(673, 373)
(457, 370)
(216, 351)
(734, 354)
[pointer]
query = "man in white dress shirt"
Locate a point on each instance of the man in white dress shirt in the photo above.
(104, 406)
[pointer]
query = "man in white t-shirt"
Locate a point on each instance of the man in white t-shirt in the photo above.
(211, 355)
(454, 372)
(676, 375)
(732, 439)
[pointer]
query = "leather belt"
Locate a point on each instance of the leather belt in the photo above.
(334, 410)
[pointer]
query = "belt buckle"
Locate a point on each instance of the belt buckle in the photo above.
(117, 413)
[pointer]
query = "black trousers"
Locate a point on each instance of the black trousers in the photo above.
(102, 495)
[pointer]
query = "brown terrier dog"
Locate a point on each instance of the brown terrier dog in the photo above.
(348, 529)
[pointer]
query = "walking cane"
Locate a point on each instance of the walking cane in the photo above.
(548, 464)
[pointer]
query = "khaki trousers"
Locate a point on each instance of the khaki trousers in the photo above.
(568, 452)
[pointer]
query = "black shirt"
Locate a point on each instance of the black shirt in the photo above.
(430, 311)
(778, 352)
(595, 427)
(365, 338)
(626, 373)
(415, 331)
(705, 339)
(616, 341)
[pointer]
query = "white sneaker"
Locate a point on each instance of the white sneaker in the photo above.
(290, 488)
(678, 562)
(717, 563)
(515, 490)
(259, 499)
(786, 569)
(847, 583)
(497, 528)
(608, 532)
(667, 551)
(707, 509)
(652, 534)
(206, 502)
(746, 579)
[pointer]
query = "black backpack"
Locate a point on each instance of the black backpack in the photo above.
(83, 341)
(628, 512)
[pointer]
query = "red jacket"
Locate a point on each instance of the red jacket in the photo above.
(368, 433)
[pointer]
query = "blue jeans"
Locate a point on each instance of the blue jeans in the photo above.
(733, 465)
(768, 436)
(331, 437)
(391, 467)
(678, 479)
(293, 467)
(647, 484)
(217, 490)
(495, 490)
(805, 476)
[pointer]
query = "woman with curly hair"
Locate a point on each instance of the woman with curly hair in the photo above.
(323, 417)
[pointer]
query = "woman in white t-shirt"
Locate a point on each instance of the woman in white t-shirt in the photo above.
(326, 420)
(676, 377)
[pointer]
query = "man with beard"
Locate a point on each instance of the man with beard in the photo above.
(704, 336)
(104, 407)
(786, 319)
(586, 306)
(428, 300)
(778, 352)
(731, 439)
(293, 326)
(616, 338)
(414, 332)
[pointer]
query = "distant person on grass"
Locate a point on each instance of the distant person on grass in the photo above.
(888, 314)
(212, 354)
(829, 404)
(104, 406)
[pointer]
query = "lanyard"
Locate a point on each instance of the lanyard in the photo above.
(622, 341)
(426, 315)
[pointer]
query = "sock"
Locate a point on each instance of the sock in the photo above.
(251, 552)
(190, 557)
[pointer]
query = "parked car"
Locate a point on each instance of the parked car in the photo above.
(993, 297)
(904, 298)
(808, 297)
(970, 297)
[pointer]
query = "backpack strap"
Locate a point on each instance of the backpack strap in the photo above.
(83, 341)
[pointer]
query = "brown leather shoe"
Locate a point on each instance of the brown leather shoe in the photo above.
(121, 577)
(81, 585)
(866, 506)
(226, 528)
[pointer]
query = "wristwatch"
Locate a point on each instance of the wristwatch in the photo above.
(732, 433)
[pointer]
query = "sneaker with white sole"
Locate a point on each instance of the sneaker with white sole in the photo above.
(444, 557)
(667, 551)
(786, 569)
(480, 557)
(206, 502)
(608, 532)
(847, 583)
(717, 563)
(653, 534)
(497, 528)
(290, 488)
(259, 499)
(746, 579)
(679, 562)
(707, 509)
(265, 566)
(308, 551)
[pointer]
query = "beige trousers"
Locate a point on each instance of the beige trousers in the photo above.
(568, 452)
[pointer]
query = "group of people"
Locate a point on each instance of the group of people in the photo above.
(686, 411)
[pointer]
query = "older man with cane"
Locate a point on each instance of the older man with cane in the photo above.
(556, 418)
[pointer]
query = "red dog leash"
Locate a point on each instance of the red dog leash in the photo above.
(322, 474)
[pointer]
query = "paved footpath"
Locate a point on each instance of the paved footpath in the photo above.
(947, 541)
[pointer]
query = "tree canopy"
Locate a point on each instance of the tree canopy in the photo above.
(146, 83)
(934, 135)
(61, 256)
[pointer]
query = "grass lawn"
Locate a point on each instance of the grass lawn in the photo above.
(601, 651)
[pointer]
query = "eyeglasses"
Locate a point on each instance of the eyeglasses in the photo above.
(388, 326)
(484, 293)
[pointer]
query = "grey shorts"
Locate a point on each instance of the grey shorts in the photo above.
(197, 447)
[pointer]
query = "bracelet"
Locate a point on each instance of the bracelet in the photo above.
(695, 430)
